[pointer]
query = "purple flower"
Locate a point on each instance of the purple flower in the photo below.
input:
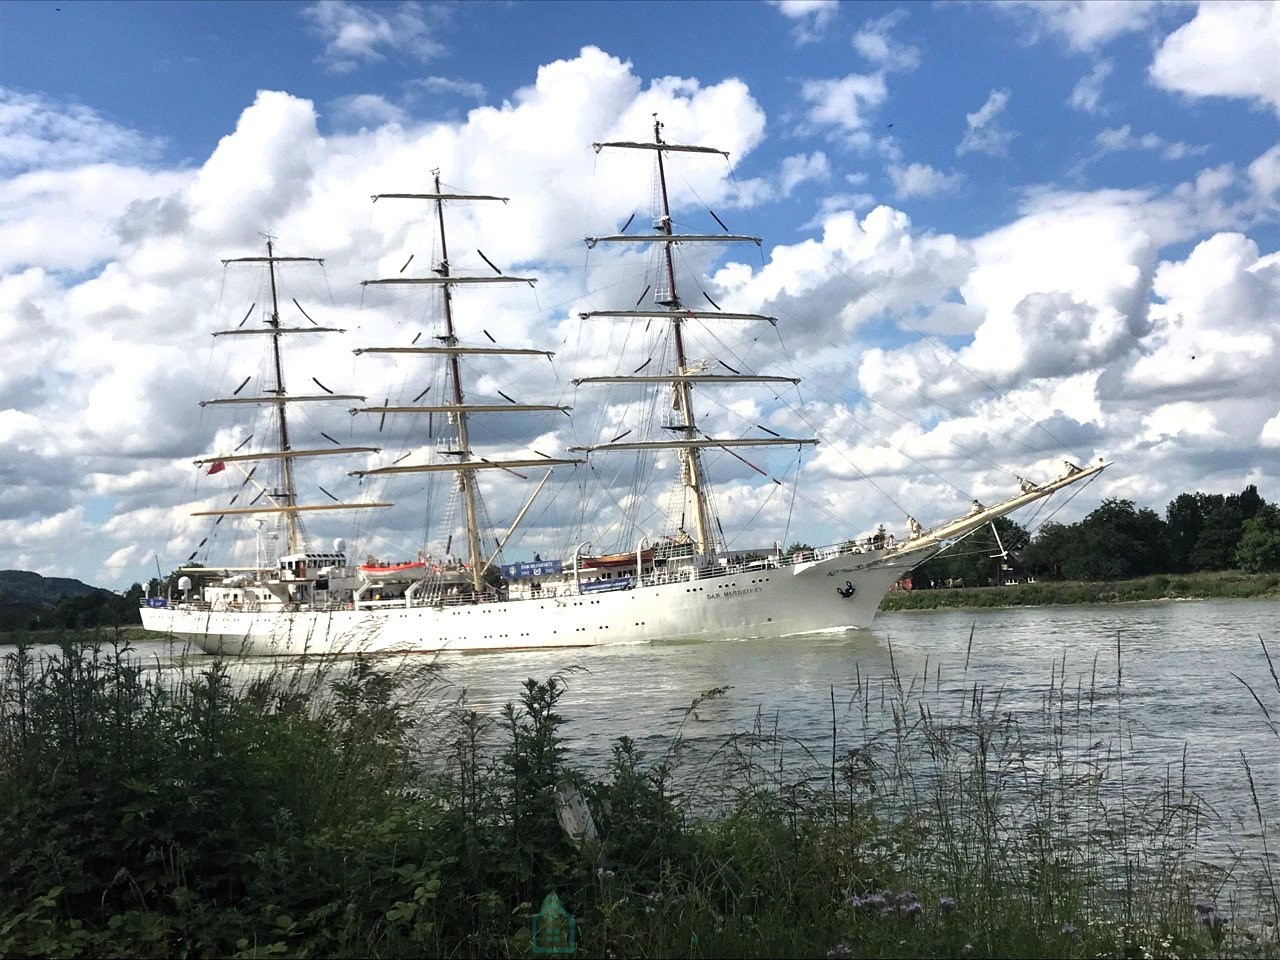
(911, 910)
(907, 896)
(947, 903)
(1068, 929)
(840, 950)
(854, 902)
(874, 900)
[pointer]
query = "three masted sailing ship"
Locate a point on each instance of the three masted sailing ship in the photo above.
(683, 586)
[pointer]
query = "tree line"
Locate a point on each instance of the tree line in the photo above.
(1119, 541)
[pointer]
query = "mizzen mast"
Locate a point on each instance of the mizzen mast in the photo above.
(691, 441)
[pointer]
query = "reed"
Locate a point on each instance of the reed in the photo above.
(347, 807)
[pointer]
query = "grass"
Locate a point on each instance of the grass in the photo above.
(353, 809)
(1224, 584)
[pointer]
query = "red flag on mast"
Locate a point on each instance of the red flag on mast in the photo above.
(216, 467)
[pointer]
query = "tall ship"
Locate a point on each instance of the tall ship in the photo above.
(459, 592)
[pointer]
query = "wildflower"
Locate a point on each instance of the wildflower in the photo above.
(840, 950)
(874, 900)
(907, 896)
(604, 874)
(1068, 929)
(947, 903)
(911, 910)
(854, 902)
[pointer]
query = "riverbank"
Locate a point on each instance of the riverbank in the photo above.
(1215, 585)
(344, 810)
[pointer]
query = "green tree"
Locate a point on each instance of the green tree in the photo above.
(1047, 554)
(1215, 548)
(1259, 548)
(1115, 541)
(1250, 502)
(1184, 518)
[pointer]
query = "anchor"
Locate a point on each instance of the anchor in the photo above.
(847, 590)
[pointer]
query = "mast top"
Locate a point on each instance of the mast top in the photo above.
(658, 144)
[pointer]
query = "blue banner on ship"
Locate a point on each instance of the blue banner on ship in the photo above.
(542, 568)
(157, 602)
(598, 586)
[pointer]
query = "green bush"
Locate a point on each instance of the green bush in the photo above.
(340, 809)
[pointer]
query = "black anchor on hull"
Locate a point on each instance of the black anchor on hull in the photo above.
(847, 590)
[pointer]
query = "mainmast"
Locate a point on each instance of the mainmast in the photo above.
(690, 457)
(466, 478)
(458, 409)
(283, 501)
(691, 440)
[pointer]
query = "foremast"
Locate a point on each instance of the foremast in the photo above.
(452, 349)
(282, 501)
(691, 441)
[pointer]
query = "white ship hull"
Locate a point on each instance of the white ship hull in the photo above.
(746, 603)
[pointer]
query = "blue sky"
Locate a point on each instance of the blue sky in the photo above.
(1074, 199)
(182, 73)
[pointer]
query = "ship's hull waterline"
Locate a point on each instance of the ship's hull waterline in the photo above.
(752, 603)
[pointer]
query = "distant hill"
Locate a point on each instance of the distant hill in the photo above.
(23, 586)
(24, 595)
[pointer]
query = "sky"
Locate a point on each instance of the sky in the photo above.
(995, 236)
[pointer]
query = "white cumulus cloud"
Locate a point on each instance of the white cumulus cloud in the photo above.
(803, 168)
(921, 180)
(844, 104)
(354, 34)
(1086, 95)
(448, 86)
(39, 132)
(1115, 139)
(1087, 24)
(367, 109)
(810, 17)
(1230, 49)
(873, 42)
(983, 133)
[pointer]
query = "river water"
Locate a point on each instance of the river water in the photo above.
(1178, 664)
(1166, 674)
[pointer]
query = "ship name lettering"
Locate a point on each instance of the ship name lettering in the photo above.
(736, 593)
